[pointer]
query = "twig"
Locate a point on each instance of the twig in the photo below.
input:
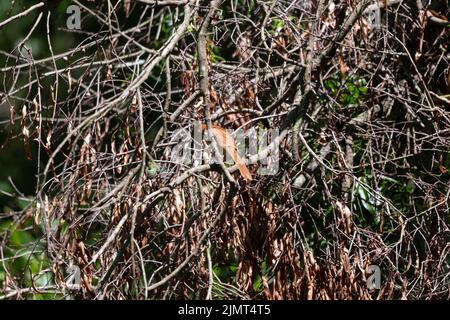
(22, 14)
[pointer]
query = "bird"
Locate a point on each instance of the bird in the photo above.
(226, 141)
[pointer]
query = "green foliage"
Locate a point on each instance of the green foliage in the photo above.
(347, 92)
(226, 273)
(29, 256)
(366, 201)
(215, 54)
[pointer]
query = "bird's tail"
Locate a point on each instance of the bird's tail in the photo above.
(226, 141)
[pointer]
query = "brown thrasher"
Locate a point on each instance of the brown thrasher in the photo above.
(226, 141)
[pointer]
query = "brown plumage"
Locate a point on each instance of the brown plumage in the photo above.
(226, 142)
